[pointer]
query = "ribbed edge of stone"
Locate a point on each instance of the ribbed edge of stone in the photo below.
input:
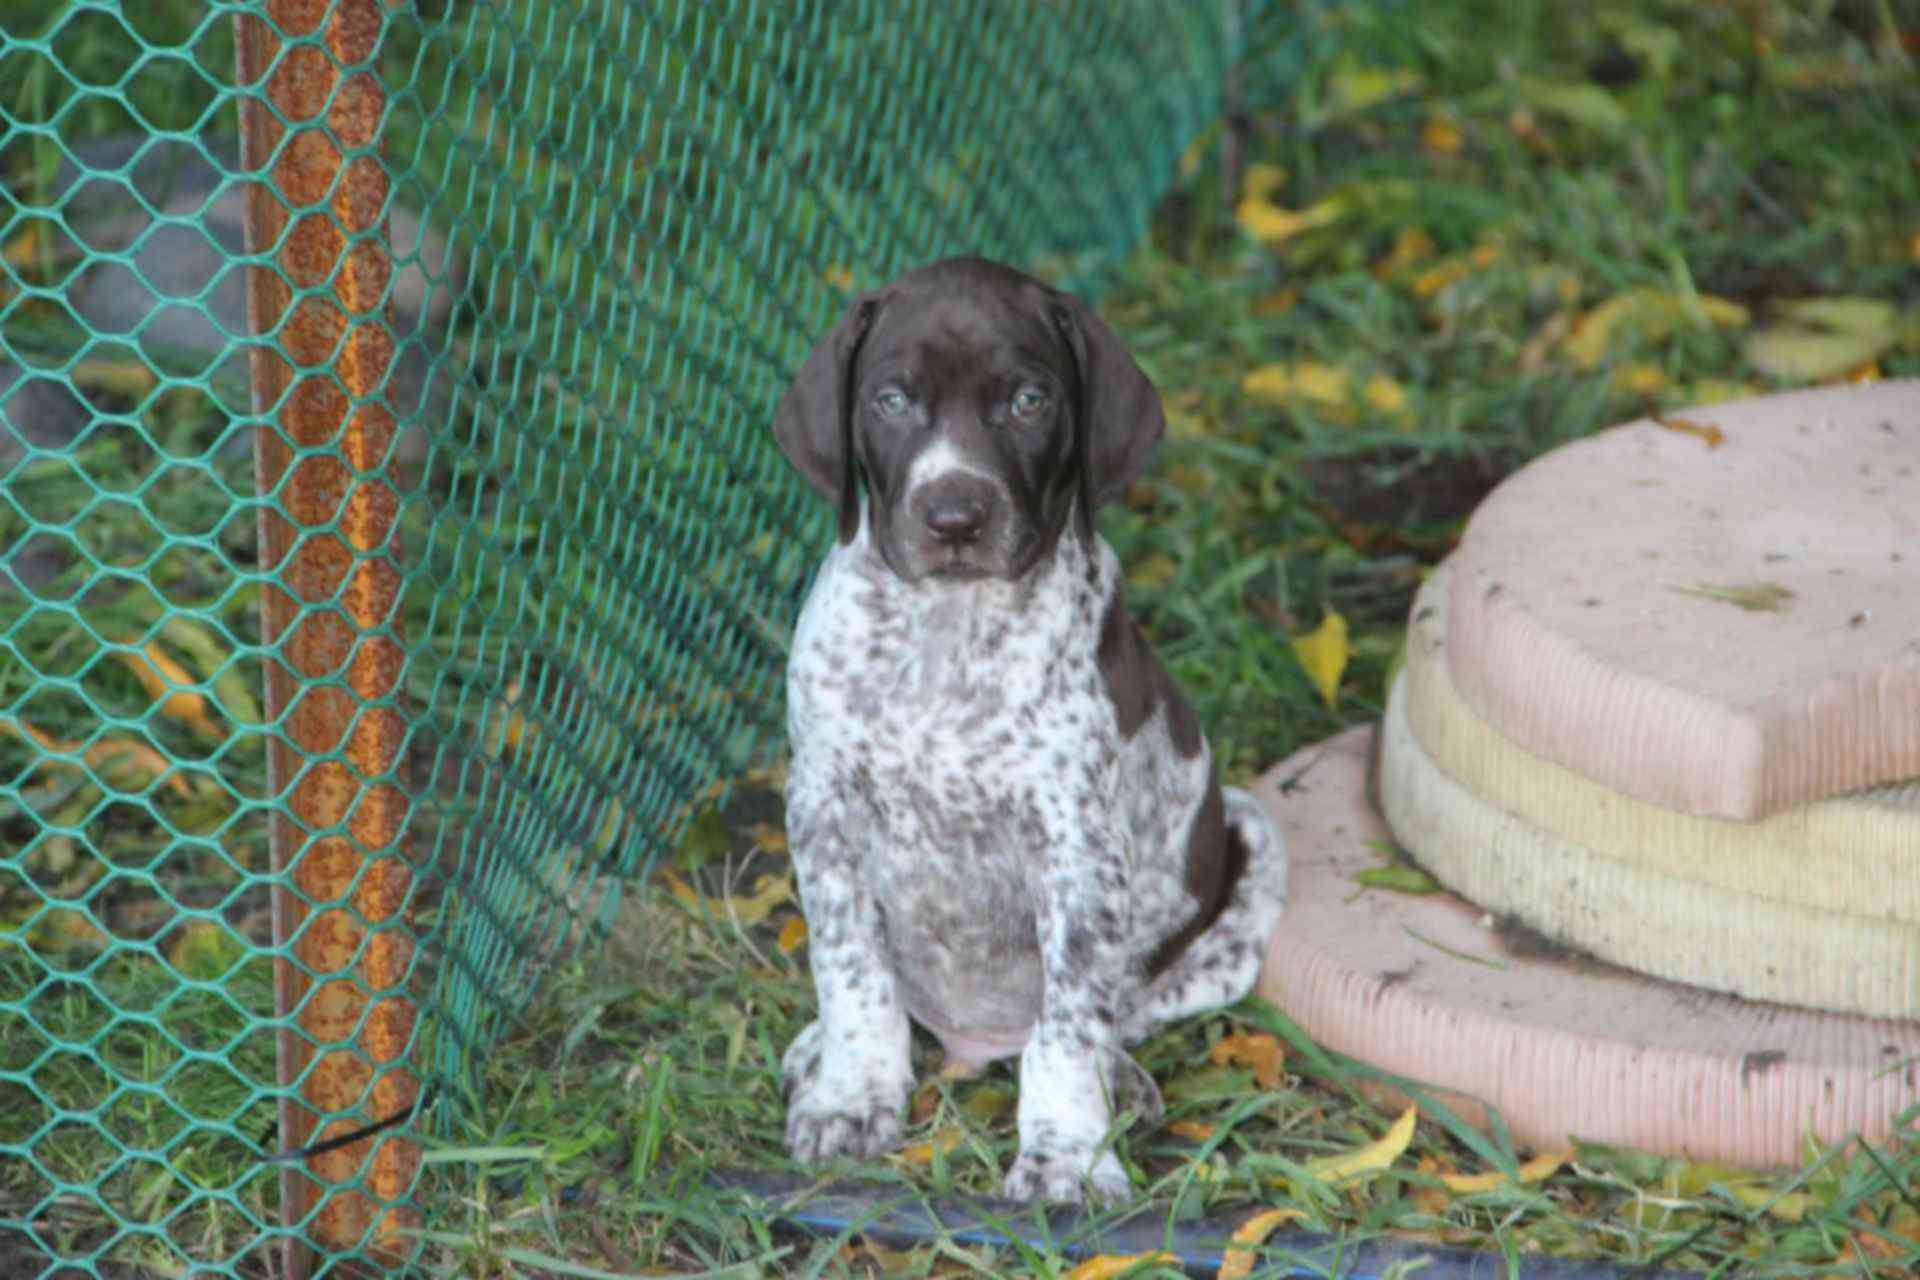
(1420, 986)
(1635, 913)
(1856, 856)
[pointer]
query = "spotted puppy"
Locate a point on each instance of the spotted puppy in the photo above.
(1002, 811)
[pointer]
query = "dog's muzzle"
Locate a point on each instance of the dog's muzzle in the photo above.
(955, 522)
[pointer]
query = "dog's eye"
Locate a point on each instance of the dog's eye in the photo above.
(892, 402)
(1029, 401)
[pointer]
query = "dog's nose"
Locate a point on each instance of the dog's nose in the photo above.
(956, 519)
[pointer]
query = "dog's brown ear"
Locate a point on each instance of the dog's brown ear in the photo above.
(814, 424)
(1119, 408)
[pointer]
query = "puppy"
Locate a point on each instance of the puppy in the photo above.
(1002, 811)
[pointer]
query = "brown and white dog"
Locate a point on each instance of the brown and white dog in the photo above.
(1002, 811)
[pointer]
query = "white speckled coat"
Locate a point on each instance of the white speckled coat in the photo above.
(1004, 819)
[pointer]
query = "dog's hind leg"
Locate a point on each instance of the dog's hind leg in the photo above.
(1220, 965)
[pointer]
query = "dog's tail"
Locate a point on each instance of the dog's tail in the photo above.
(1220, 965)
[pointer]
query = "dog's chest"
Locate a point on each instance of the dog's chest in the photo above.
(964, 693)
(964, 724)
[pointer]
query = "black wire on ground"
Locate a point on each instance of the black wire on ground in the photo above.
(900, 1218)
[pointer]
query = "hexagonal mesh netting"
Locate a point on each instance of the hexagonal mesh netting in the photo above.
(412, 364)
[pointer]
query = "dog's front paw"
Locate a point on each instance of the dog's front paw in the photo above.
(819, 1133)
(847, 1107)
(1072, 1176)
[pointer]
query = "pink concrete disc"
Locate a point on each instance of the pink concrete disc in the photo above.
(1728, 630)
(1425, 987)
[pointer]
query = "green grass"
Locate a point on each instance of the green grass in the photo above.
(1759, 152)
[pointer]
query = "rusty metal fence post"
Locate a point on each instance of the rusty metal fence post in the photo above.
(318, 289)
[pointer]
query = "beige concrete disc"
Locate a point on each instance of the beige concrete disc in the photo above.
(1730, 630)
(1818, 906)
(1422, 986)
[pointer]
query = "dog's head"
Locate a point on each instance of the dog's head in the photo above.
(983, 412)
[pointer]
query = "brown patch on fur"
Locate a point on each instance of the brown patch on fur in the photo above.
(1137, 682)
(1216, 859)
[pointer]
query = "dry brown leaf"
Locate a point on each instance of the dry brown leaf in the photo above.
(1259, 1051)
(1713, 435)
(1751, 597)
(166, 683)
(1277, 302)
(1433, 280)
(1432, 1199)
(1192, 1130)
(1236, 1261)
(943, 1140)
(1442, 136)
(769, 891)
(925, 1101)
(125, 762)
(793, 935)
(768, 837)
(1410, 245)
(1108, 1266)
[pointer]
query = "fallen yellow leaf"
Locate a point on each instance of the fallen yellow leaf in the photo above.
(1538, 1169)
(1822, 338)
(793, 935)
(1260, 1051)
(204, 950)
(24, 248)
(1323, 654)
(1261, 180)
(839, 277)
(1707, 431)
(1718, 390)
(768, 838)
(1436, 278)
(1236, 1261)
(1370, 1159)
(129, 378)
(1106, 1266)
(1270, 224)
(125, 762)
(769, 891)
(1386, 396)
(1648, 312)
(942, 1141)
(681, 889)
(1153, 572)
(1791, 1207)
(1191, 1130)
(1442, 136)
(166, 683)
(1355, 86)
(1320, 383)
(1270, 383)
(1325, 387)
(1410, 245)
(1277, 302)
(1638, 378)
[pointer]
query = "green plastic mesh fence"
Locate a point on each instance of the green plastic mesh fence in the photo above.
(391, 550)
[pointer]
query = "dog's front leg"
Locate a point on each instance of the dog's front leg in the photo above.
(1074, 1070)
(848, 1074)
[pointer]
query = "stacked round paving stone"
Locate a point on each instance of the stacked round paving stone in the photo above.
(1660, 710)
